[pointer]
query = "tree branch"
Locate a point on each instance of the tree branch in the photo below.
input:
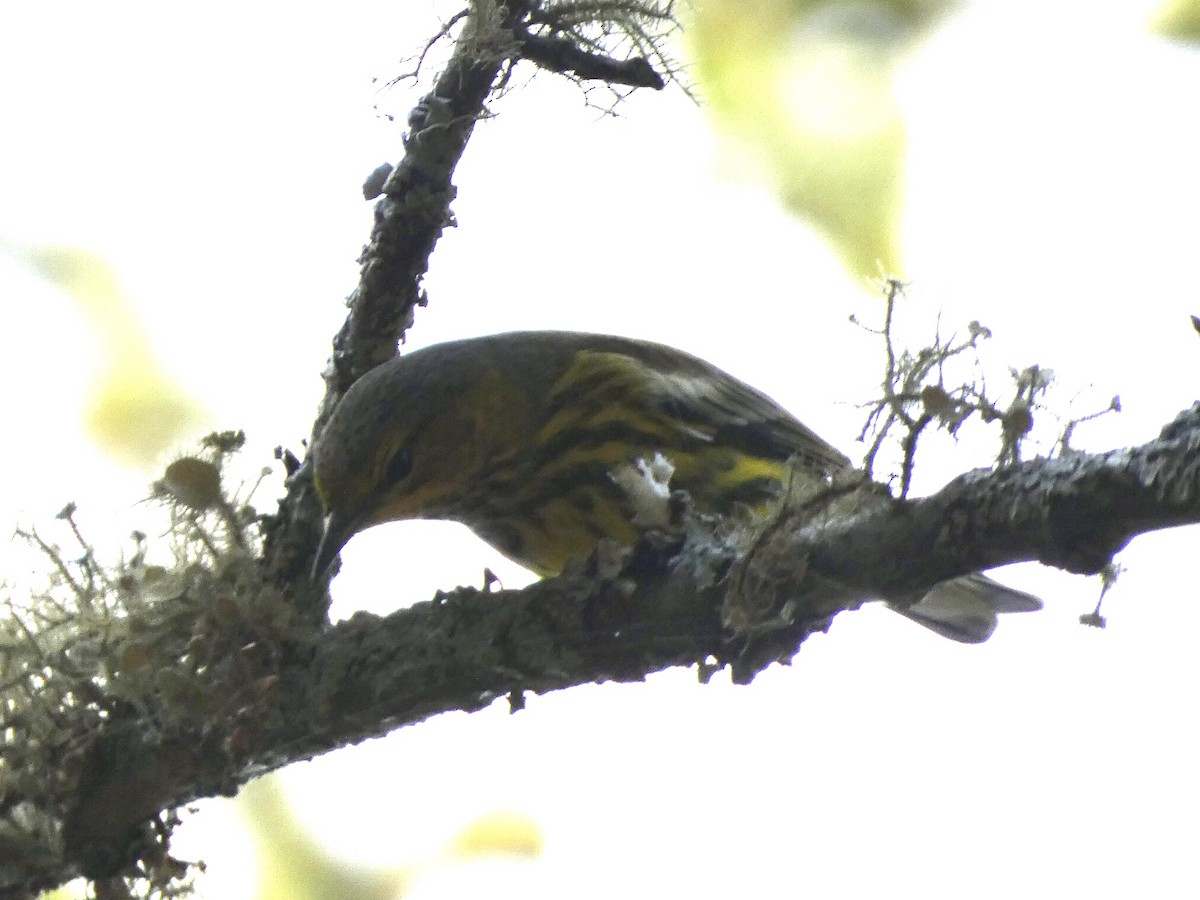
(409, 219)
(461, 651)
(559, 54)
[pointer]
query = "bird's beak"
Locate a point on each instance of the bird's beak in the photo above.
(338, 530)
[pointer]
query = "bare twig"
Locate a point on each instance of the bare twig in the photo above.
(560, 54)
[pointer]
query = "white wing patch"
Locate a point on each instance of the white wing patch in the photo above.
(647, 485)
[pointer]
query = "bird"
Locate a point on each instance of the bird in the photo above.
(529, 438)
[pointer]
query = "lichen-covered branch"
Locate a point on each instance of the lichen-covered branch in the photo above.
(463, 650)
(409, 219)
(415, 200)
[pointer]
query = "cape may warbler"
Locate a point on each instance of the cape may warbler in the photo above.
(525, 437)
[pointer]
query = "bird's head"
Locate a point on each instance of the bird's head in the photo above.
(396, 447)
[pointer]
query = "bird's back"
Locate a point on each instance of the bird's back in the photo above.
(605, 402)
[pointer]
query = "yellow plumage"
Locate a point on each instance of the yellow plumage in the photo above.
(519, 436)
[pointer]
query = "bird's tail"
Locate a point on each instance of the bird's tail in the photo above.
(964, 609)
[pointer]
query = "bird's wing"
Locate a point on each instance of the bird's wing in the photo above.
(734, 414)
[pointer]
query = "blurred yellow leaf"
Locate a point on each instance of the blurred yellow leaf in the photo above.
(1178, 19)
(294, 865)
(500, 833)
(136, 412)
(808, 85)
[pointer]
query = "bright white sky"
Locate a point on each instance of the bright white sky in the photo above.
(214, 155)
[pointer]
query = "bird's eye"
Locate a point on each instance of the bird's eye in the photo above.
(400, 465)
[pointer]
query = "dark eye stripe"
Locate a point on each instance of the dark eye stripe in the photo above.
(399, 465)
